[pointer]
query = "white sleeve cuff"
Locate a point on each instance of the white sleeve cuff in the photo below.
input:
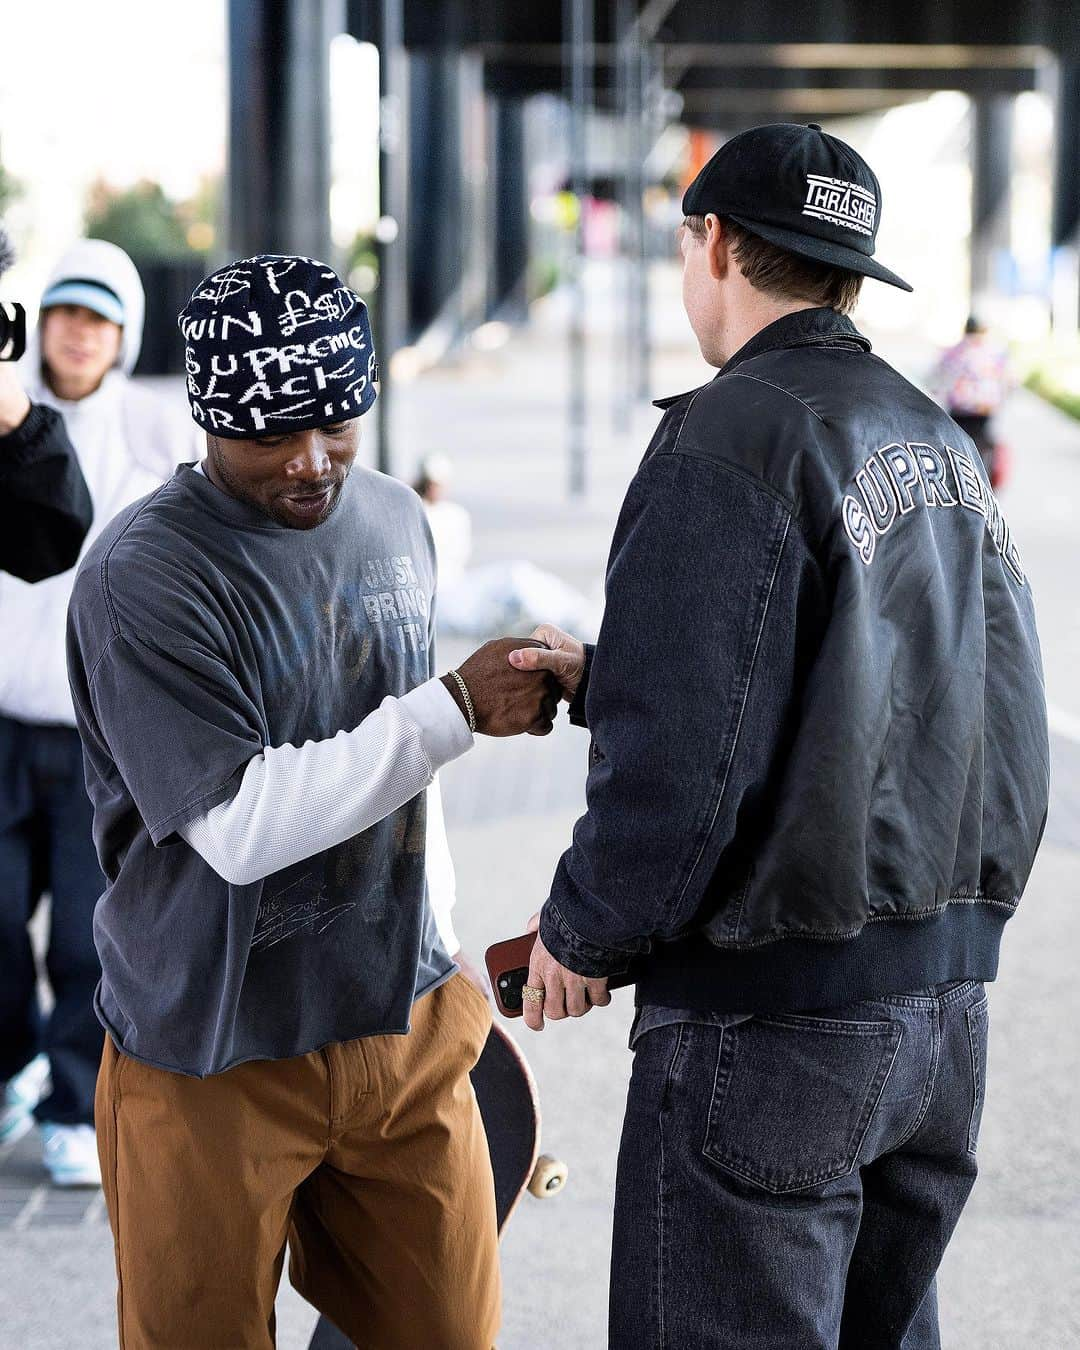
(444, 732)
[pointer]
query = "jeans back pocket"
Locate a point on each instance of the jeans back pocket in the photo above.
(793, 1097)
(978, 1027)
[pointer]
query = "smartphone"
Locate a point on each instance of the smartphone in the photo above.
(508, 970)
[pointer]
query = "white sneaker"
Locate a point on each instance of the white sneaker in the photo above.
(71, 1155)
(21, 1094)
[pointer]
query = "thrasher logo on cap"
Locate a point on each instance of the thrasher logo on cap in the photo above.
(841, 203)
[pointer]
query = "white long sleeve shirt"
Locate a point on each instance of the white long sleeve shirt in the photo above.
(294, 802)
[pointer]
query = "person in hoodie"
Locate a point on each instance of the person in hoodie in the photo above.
(78, 363)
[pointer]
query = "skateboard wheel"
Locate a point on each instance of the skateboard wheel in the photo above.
(549, 1177)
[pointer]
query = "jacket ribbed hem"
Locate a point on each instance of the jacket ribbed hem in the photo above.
(796, 974)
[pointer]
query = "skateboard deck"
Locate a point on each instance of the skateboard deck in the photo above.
(510, 1109)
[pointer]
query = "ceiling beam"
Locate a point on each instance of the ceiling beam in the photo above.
(801, 56)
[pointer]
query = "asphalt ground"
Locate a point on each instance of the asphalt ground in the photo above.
(1011, 1277)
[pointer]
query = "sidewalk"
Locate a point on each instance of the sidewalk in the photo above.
(1012, 1275)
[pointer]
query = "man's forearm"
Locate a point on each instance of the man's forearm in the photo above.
(294, 802)
(45, 506)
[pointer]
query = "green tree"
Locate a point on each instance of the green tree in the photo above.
(10, 189)
(141, 219)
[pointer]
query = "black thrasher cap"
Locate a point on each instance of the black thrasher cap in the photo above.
(800, 189)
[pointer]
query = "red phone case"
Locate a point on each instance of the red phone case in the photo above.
(502, 957)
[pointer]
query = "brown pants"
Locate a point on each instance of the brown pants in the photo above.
(368, 1157)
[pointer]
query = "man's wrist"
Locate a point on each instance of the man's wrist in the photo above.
(576, 953)
(454, 689)
(444, 733)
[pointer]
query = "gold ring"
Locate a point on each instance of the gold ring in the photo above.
(533, 994)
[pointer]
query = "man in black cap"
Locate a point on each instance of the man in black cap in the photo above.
(819, 776)
(289, 1039)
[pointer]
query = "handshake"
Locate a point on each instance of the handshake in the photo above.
(515, 684)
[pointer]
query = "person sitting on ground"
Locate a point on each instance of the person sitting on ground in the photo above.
(498, 596)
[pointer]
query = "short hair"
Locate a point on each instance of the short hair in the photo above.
(786, 276)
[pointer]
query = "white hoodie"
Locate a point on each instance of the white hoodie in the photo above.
(128, 441)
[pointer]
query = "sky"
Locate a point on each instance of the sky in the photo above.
(130, 89)
(119, 89)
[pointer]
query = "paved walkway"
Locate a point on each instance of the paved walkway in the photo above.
(1012, 1276)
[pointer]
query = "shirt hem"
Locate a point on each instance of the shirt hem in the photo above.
(166, 1067)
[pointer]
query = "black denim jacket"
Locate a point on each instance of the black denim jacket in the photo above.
(816, 701)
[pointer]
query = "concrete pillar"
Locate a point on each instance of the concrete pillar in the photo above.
(509, 211)
(991, 164)
(393, 227)
(279, 130)
(1065, 226)
(436, 185)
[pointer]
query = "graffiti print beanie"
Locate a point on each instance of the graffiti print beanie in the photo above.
(276, 344)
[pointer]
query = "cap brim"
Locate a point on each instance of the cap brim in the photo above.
(821, 250)
(85, 294)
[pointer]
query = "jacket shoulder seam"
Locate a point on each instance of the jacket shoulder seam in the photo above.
(743, 375)
(682, 421)
(738, 471)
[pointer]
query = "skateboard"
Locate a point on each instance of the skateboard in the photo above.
(510, 1108)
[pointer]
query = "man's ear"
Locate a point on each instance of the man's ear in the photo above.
(717, 247)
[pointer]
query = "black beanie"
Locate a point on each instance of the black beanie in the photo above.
(276, 344)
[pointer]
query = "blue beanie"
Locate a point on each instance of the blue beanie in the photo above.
(276, 344)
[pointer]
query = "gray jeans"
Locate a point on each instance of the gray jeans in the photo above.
(791, 1181)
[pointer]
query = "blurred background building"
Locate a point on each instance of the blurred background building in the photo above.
(459, 159)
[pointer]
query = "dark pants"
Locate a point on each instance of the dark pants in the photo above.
(790, 1182)
(46, 846)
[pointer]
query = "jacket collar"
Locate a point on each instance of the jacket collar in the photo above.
(805, 328)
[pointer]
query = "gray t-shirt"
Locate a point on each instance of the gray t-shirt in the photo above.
(199, 632)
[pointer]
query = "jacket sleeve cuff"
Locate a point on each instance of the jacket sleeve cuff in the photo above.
(18, 445)
(444, 733)
(577, 706)
(574, 952)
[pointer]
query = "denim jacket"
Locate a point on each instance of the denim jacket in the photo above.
(816, 701)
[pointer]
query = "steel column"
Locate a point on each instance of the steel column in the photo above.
(392, 230)
(279, 130)
(991, 163)
(578, 24)
(1065, 228)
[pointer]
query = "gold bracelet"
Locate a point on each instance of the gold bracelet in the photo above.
(467, 698)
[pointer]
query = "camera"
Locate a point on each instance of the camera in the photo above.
(12, 316)
(12, 331)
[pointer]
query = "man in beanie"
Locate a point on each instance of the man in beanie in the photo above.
(289, 1044)
(819, 779)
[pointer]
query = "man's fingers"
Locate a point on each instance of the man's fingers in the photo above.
(555, 1001)
(534, 1012)
(541, 658)
(598, 993)
(548, 634)
(577, 1005)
